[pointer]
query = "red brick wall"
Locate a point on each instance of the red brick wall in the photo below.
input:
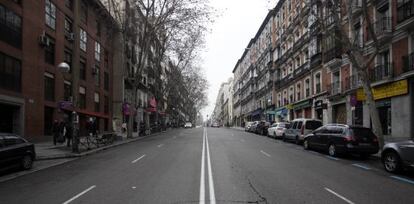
(399, 49)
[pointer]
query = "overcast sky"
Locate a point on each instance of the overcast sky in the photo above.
(237, 23)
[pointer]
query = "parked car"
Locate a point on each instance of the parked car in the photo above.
(215, 124)
(261, 127)
(188, 125)
(247, 126)
(397, 155)
(253, 126)
(341, 139)
(277, 129)
(15, 152)
(299, 128)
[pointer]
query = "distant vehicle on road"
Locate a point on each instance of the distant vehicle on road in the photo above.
(15, 152)
(299, 128)
(261, 127)
(338, 138)
(277, 129)
(215, 124)
(188, 125)
(398, 155)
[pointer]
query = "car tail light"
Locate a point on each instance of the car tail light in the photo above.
(375, 139)
(349, 138)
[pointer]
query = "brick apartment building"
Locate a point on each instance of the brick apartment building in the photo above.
(313, 77)
(35, 36)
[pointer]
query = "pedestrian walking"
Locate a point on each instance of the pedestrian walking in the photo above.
(62, 130)
(55, 131)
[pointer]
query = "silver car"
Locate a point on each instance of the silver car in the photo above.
(397, 155)
(299, 128)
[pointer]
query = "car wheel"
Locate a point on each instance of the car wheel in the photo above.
(27, 162)
(284, 138)
(332, 150)
(306, 145)
(392, 162)
(297, 141)
(274, 135)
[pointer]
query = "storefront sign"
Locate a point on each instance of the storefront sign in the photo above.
(386, 91)
(303, 104)
(289, 106)
(281, 111)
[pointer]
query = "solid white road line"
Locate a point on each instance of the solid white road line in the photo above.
(403, 179)
(210, 174)
(138, 159)
(160, 145)
(79, 195)
(339, 196)
(362, 166)
(333, 158)
(202, 187)
(263, 152)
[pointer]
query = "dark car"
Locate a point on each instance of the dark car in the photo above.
(261, 127)
(340, 139)
(15, 152)
(397, 155)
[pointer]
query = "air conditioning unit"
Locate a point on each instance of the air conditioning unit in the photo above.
(44, 40)
(70, 36)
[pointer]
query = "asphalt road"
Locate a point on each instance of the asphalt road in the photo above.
(206, 165)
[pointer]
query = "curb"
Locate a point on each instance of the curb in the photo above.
(93, 151)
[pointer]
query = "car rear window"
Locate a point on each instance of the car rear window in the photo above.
(313, 125)
(362, 132)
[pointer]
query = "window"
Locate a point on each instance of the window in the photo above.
(68, 58)
(106, 81)
(83, 12)
(97, 74)
(97, 51)
(10, 73)
(49, 87)
(298, 92)
(10, 27)
(50, 51)
(299, 125)
(69, 4)
(67, 91)
(82, 69)
(96, 100)
(82, 97)
(318, 83)
(312, 125)
(50, 10)
(291, 95)
(106, 104)
(307, 88)
(83, 40)
(68, 26)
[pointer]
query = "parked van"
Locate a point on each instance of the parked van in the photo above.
(301, 127)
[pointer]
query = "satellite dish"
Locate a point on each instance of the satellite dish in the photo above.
(64, 67)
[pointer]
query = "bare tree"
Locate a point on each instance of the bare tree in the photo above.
(337, 19)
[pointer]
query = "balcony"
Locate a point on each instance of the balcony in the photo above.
(333, 57)
(301, 69)
(316, 60)
(383, 29)
(381, 72)
(405, 14)
(334, 88)
(408, 63)
(351, 83)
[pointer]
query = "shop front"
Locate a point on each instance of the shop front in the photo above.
(394, 104)
(270, 114)
(281, 114)
(303, 109)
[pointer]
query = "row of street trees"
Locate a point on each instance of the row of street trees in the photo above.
(164, 33)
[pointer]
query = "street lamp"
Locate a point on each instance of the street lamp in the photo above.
(65, 68)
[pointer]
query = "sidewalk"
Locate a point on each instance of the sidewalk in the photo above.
(47, 151)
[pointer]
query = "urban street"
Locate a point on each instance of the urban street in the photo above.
(210, 165)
